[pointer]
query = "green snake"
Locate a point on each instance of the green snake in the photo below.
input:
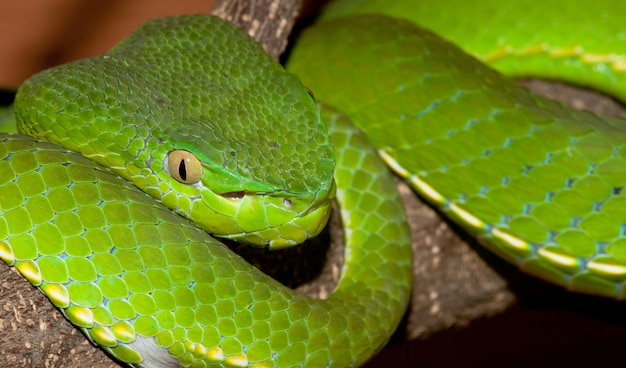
(188, 118)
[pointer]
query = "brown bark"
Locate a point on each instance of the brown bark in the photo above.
(267, 21)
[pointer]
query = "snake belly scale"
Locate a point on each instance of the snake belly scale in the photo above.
(188, 118)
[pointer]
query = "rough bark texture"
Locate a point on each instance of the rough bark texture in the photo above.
(267, 21)
(34, 334)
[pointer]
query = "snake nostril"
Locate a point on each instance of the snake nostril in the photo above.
(287, 202)
(234, 195)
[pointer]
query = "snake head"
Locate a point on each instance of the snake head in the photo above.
(272, 187)
(257, 212)
(259, 156)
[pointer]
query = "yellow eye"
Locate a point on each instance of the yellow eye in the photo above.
(184, 166)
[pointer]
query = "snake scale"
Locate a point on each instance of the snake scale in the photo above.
(126, 161)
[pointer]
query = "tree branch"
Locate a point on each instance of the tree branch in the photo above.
(267, 21)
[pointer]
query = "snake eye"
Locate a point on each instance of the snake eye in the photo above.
(184, 166)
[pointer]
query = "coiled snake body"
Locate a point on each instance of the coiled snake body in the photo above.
(193, 113)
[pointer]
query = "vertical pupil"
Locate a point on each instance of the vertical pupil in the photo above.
(182, 170)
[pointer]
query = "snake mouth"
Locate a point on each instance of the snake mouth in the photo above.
(287, 234)
(272, 220)
(234, 195)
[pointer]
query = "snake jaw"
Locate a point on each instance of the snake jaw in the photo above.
(273, 220)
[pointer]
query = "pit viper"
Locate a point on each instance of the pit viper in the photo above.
(126, 160)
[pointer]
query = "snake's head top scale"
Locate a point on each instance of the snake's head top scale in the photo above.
(196, 114)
